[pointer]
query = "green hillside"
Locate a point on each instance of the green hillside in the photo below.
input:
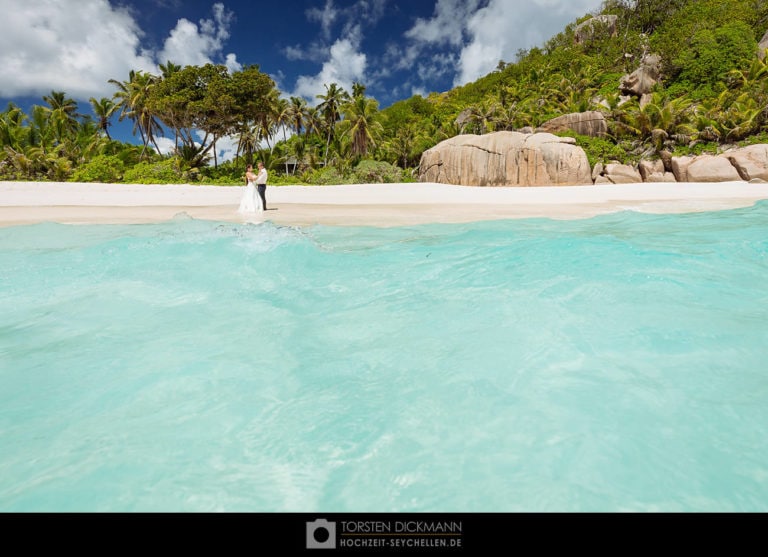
(713, 88)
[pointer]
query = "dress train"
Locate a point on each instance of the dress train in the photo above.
(248, 203)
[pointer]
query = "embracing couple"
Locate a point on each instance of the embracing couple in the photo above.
(254, 183)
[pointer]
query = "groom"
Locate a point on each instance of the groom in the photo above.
(261, 185)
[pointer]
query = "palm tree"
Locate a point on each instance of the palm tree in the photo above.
(169, 69)
(62, 113)
(11, 130)
(58, 100)
(358, 90)
(330, 109)
(298, 150)
(266, 120)
(659, 119)
(40, 132)
(248, 143)
(360, 121)
(131, 98)
(402, 145)
(297, 114)
(483, 117)
(313, 122)
(282, 115)
(104, 109)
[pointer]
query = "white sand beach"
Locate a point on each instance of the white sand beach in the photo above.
(363, 204)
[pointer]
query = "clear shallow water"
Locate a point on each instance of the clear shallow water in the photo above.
(613, 364)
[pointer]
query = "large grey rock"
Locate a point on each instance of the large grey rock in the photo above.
(654, 171)
(649, 168)
(591, 123)
(597, 170)
(710, 168)
(680, 168)
(591, 28)
(750, 162)
(506, 159)
(622, 174)
(464, 118)
(762, 45)
(641, 81)
(661, 178)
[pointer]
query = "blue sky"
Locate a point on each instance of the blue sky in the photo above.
(397, 48)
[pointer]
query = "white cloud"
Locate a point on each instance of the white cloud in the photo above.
(315, 52)
(74, 46)
(343, 62)
(226, 149)
(502, 28)
(77, 46)
(294, 52)
(345, 66)
(448, 23)
(166, 145)
(190, 45)
(326, 16)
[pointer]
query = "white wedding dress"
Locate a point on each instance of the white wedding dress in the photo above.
(248, 203)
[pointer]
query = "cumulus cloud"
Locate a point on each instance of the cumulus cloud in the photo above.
(70, 45)
(191, 45)
(343, 61)
(77, 46)
(166, 145)
(345, 65)
(448, 23)
(226, 148)
(501, 28)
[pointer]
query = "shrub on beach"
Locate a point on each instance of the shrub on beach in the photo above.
(102, 168)
(229, 173)
(376, 172)
(158, 172)
(325, 177)
(366, 172)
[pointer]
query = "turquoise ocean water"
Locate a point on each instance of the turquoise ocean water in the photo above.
(618, 363)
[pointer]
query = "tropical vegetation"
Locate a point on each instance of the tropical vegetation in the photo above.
(712, 93)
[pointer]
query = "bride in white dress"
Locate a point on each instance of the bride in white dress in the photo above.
(248, 202)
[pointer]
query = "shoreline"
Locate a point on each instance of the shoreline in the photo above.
(381, 205)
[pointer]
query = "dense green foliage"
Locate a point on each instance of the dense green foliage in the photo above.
(712, 91)
(101, 168)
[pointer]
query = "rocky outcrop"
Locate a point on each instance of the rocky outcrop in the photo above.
(543, 159)
(654, 171)
(680, 168)
(464, 118)
(506, 159)
(621, 174)
(601, 24)
(762, 45)
(750, 162)
(710, 168)
(641, 81)
(590, 123)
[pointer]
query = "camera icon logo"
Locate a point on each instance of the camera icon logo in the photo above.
(321, 534)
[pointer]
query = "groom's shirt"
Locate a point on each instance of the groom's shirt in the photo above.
(261, 179)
